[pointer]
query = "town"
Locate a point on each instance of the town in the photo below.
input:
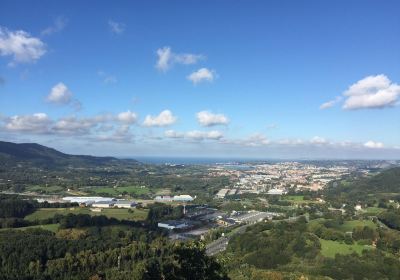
(278, 178)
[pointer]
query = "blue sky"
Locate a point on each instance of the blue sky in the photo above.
(268, 79)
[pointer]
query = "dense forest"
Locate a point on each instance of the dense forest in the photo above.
(104, 253)
(370, 189)
(291, 250)
(96, 247)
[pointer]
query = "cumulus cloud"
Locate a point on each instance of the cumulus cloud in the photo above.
(127, 117)
(204, 135)
(372, 92)
(21, 46)
(373, 145)
(116, 27)
(122, 134)
(74, 126)
(165, 118)
(202, 75)
(255, 140)
(206, 118)
(167, 58)
(330, 103)
(60, 94)
(38, 123)
(58, 25)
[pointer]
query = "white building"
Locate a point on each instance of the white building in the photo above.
(163, 198)
(85, 199)
(276, 191)
(183, 197)
(103, 204)
(125, 204)
(173, 224)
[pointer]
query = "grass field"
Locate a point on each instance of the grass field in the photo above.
(45, 189)
(294, 197)
(373, 211)
(132, 190)
(350, 225)
(50, 227)
(121, 214)
(330, 248)
(298, 199)
(347, 225)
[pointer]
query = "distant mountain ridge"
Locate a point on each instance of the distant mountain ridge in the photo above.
(39, 154)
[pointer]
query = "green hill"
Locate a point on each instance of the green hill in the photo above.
(386, 184)
(41, 156)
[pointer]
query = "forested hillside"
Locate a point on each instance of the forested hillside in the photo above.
(385, 185)
(37, 155)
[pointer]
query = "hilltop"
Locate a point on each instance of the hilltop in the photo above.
(42, 156)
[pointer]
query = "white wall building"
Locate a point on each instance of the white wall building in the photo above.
(125, 204)
(173, 224)
(103, 204)
(276, 191)
(85, 199)
(183, 197)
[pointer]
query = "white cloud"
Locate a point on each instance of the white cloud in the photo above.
(166, 58)
(255, 140)
(121, 134)
(165, 118)
(372, 92)
(318, 140)
(206, 118)
(60, 94)
(58, 25)
(37, 123)
(173, 134)
(107, 78)
(202, 75)
(127, 117)
(330, 103)
(74, 126)
(21, 46)
(291, 142)
(373, 145)
(116, 27)
(202, 135)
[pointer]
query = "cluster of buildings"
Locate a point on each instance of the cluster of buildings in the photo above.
(198, 220)
(100, 202)
(176, 198)
(278, 177)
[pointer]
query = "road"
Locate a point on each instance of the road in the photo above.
(217, 246)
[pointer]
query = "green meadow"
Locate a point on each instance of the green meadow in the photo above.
(330, 248)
